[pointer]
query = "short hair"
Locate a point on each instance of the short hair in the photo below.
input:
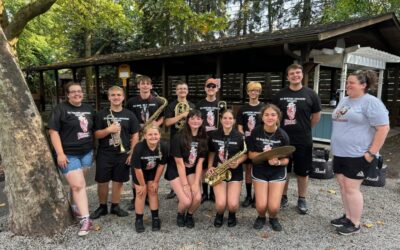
(180, 82)
(254, 86)
(71, 83)
(114, 88)
(293, 66)
(143, 78)
(369, 77)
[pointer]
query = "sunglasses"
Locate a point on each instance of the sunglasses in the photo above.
(211, 86)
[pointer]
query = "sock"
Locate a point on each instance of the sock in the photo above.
(211, 192)
(139, 216)
(154, 213)
(284, 196)
(248, 189)
(301, 197)
(189, 215)
(232, 215)
(113, 205)
(205, 188)
(134, 193)
(103, 206)
(181, 214)
(83, 218)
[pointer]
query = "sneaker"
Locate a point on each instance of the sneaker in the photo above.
(348, 229)
(275, 225)
(171, 195)
(189, 221)
(232, 221)
(118, 211)
(131, 205)
(247, 202)
(139, 226)
(156, 224)
(180, 220)
(100, 211)
(302, 206)
(86, 226)
(284, 202)
(219, 220)
(204, 197)
(340, 221)
(259, 222)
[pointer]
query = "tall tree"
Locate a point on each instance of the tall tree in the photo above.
(35, 194)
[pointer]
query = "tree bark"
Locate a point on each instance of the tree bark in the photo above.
(37, 202)
(23, 16)
(306, 13)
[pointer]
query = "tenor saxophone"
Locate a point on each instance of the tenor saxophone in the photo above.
(116, 137)
(181, 107)
(222, 172)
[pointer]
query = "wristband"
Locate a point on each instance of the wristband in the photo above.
(371, 154)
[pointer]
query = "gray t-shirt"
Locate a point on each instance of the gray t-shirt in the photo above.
(353, 125)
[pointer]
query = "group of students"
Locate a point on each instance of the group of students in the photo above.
(202, 137)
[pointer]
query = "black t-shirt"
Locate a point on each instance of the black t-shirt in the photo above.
(129, 126)
(190, 156)
(297, 108)
(146, 159)
(75, 127)
(209, 112)
(143, 108)
(249, 117)
(170, 113)
(261, 141)
(225, 146)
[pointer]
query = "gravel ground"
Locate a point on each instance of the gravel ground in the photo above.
(311, 231)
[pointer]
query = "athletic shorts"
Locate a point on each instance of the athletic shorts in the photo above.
(301, 160)
(148, 175)
(110, 166)
(269, 174)
(172, 170)
(352, 167)
(78, 162)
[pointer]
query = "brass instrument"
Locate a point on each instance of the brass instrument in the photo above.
(222, 106)
(180, 108)
(222, 172)
(116, 137)
(156, 114)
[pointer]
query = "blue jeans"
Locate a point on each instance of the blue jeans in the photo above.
(78, 162)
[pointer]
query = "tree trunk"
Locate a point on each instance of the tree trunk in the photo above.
(37, 202)
(306, 13)
(88, 70)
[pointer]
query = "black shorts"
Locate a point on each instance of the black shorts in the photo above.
(352, 167)
(301, 160)
(269, 174)
(237, 174)
(172, 170)
(111, 166)
(148, 175)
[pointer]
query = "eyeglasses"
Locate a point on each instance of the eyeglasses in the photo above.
(75, 92)
(211, 86)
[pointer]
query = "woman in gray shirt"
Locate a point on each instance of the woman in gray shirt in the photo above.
(360, 127)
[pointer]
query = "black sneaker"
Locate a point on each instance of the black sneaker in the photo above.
(156, 224)
(131, 205)
(180, 220)
(247, 202)
(100, 211)
(348, 229)
(171, 195)
(340, 221)
(275, 225)
(219, 220)
(302, 206)
(259, 222)
(232, 221)
(139, 226)
(284, 202)
(204, 197)
(118, 211)
(189, 221)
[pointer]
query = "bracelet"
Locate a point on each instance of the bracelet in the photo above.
(371, 154)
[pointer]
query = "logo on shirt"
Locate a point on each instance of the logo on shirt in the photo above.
(210, 121)
(338, 115)
(221, 153)
(83, 122)
(251, 123)
(192, 155)
(291, 113)
(151, 164)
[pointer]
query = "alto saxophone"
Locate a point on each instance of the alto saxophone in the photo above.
(116, 137)
(180, 108)
(222, 172)
(156, 114)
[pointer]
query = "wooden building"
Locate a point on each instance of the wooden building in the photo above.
(236, 60)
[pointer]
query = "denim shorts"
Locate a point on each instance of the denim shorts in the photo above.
(78, 162)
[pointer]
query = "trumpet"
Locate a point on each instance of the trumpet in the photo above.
(116, 137)
(222, 106)
(180, 108)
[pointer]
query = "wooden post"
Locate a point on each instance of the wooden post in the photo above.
(42, 90)
(218, 74)
(97, 80)
(244, 90)
(74, 76)
(164, 81)
(57, 86)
